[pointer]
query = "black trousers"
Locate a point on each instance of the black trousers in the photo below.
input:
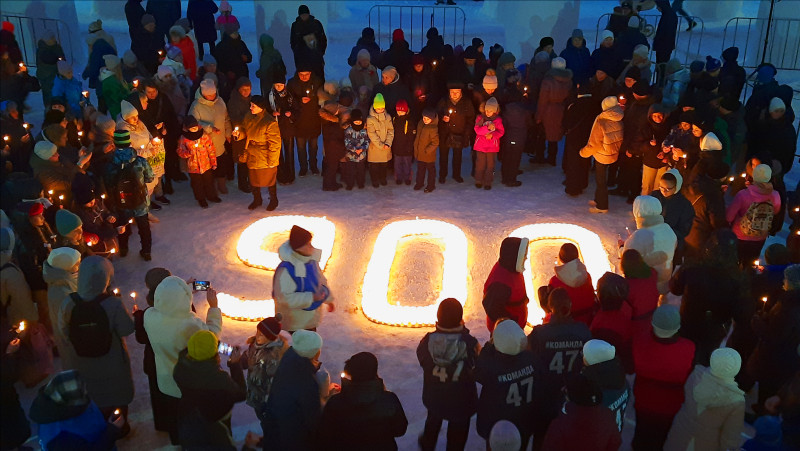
(225, 165)
(444, 156)
(286, 170)
(651, 431)
(203, 186)
(211, 46)
(143, 225)
(422, 170)
(629, 180)
(330, 167)
(171, 160)
(354, 172)
(601, 192)
(377, 173)
(307, 153)
(457, 433)
(512, 154)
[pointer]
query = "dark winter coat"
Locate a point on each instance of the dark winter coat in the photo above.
(405, 130)
(393, 92)
(281, 103)
(47, 57)
(368, 45)
(583, 427)
(294, 408)
(779, 138)
(332, 136)
(9, 42)
(364, 416)
(15, 428)
(616, 328)
(610, 377)
(20, 151)
(201, 15)
(229, 53)
(16, 87)
(441, 355)
(146, 46)
(628, 40)
(609, 60)
(307, 121)
(637, 119)
(499, 375)
(421, 86)
(662, 365)
(398, 55)
(455, 133)
(166, 12)
(707, 199)
(302, 28)
(95, 220)
(54, 175)
(133, 13)
(653, 132)
(778, 331)
(553, 94)
(261, 363)
(579, 61)
(517, 118)
(208, 395)
(33, 247)
(664, 40)
(732, 78)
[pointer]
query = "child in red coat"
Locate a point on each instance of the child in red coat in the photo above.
(504, 294)
(197, 150)
(572, 276)
(642, 289)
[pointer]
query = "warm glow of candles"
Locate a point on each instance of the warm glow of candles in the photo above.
(80, 133)
(115, 291)
(250, 246)
(26, 125)
(764, 299)
(133, 295)
(50, 192)
(60, 197)
(135, 83)
(6, 137)
(21, 326)
(744, 175)
(85, 94)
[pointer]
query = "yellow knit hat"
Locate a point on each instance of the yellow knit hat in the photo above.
(202, 345)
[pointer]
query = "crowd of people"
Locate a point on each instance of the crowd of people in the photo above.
(704, 174)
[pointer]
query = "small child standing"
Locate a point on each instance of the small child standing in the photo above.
(261, 361)
(403, 144)
(489, 129)
(357, 142)
(198, 150)
(225, 17)
(425, 144)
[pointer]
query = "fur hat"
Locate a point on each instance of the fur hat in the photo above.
(450, 313)
(762, 173)
(598, 351)
(504, 437)
(362, 367)
(64, 258)
(202, 345)
(509, 338)
(299, 237)
(306, 343)
(127, 110)
(558, 63)
(610, 102)
(666, 321)
(67, 222)
(725, 363)
(270, 327)
(45, 150)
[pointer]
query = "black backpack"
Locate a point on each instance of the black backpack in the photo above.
(129, 191)
(89, 328)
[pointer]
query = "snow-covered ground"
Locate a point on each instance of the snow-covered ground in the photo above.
(202, 243)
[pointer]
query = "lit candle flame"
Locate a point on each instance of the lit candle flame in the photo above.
(21, 326)
(757, 263)
(142, 146)
(80, 133)
(60, 197)
(731, 179)
(21, 65)
(6, 138)
(744, 174)
(102, 196)
(764, 299)
(133, 294)
(116, 412)
(85, 94)
(50, 192)
(113, 250)
(130, 221)
(26, 125)
(797, 209)
(343, 375)
(116, 291)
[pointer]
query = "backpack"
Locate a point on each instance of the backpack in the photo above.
(758, 219)
(89, 328)
(129, 191)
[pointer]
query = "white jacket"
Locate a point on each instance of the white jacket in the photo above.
(654, 239)
(169, 325)
(210, 114)
(289, 302)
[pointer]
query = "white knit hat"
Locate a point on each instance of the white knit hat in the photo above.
(710, 142)
(45, 150)
(776, 104)
(111, 61)
(509, 338)
(609, 102)
(725, 363)
(127, 110)
(64, 258)
(504, 437)
(306, 343)
(558, 63)
(490, 81)
(634, 22)
(606, 34)
(208, 88)
(762, 173)
(598, 351)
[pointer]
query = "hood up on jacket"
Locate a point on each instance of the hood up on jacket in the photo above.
(572, 273)
(173, 298)
(446, 346)
(678, 178)
(647, 212)
(512, 254)
(57, 277)
(363, 392)
(94, 277)
(614, 113)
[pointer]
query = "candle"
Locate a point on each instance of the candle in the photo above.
(156, 140)
(133, 295)
(6, 138)
(308, 91)
(160, 53)
(26, 125)
(80, 133)
(744, 175)
(116, 411)
(764, 299)
(60, 197)
(112, 251)
(50, 192)
(757, 263)
(130, 221)
(115, 291)
(236, 129)
(21, 326)
(797, 209)
(135, 83)
(621, 97)
(731, 179)
(434, 62)
(142, 146)
(21, 65)
(196, 145)
(343, 375)
(525, 88)
(450, 111)
(85, 94)
(102, 196)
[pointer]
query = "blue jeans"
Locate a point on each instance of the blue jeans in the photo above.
(402, 168)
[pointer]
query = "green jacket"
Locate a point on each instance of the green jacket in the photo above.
(114, 92)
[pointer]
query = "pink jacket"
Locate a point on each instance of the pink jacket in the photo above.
(742, 202)
(487, 140)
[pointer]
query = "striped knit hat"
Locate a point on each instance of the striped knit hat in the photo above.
(122, 138)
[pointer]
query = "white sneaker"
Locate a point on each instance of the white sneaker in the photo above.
(597, 210)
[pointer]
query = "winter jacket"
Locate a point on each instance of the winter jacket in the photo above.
(606, 137)
(169, 324)
(616, 327)
(142, 142)
(455, 132)
(108, 378)
(405, 133)
(662, 367)
(442, 354)
(127, 156)
(294, 407)
(364, 416)
(70, 90)
(291, 300)
(302, 28)
(60, 284)
(367, 44)
(263, 141)
(572, 276)
(114, 91)
(647, 141)
(610, 377)
(747, 200)
(363, 76)
(655, 240)
(583, 427)
(356, 142)
(488, 140)
(95, 220)
(381, 133)
(708, 202)
(426, 141)
(199, 154)
(146, 46)
(712, 415)
(201, 15)
(15, 297)
(674, 87)
(636, 122)
(232, 56)
(171, 88)
(643, 297)
(54, 175)
(732, 78)
(212, 114)
(189, 57)
(270, 63)
(333, 134)
(628, 40)
(778, 137)
(133, 13)
(97, 50)
(399, 55)
(667, 29)
(166, 13)
(504, 293)
(206, 404)
(500, 376)
(608, 59)
(579, 61)
(71, 426)
(556, 87)
(775, 358)
(307, 122)
(261, 363)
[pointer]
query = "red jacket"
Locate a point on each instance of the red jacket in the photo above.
(616, 328)
(583, 427)
(189, 58)
(574, 278)
(643, 296)
(662, 367)
(504, 293)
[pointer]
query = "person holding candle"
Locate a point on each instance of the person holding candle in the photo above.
(556, 86)
(604, 144)
(60, 272)
(98, 222)
(70, 233)
(16, 301)
(489, 130)
(261, 152)
(146, 146)
(48, 54)
(457, 117)
(162, 122)
(212, 114)
(333, 116)
(53, 173)
(197, 149)
(68, 87)
(303, 87)
(147, 42)
(20, 143)
(676, 209)
(238, 106)
(751, 214)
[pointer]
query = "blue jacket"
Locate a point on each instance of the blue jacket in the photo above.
(579, 61)
(69, 425)
(128, 155)
(69, 89)
(92, 71)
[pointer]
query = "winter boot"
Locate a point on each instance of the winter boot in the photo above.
(273, 198)
(552, 152)
(243, 178)
(168, 186)
(221, 187)
(256, 199)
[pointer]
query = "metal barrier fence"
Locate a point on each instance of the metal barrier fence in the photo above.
(749, 33)
(415, 22)
(28, 30)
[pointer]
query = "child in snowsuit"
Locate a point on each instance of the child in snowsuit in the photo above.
(357, 143)
(261, 361)
(201, 160)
